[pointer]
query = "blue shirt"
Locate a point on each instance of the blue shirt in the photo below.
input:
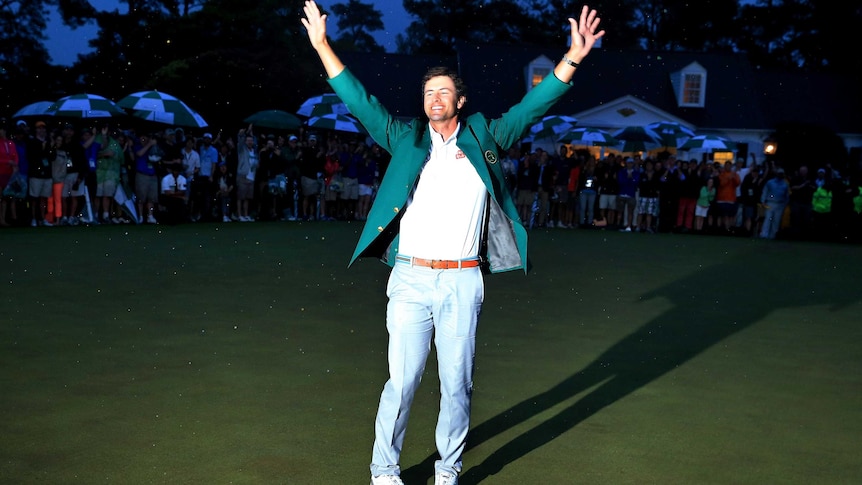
(209, 159)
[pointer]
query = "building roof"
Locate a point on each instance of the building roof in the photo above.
(739, 96)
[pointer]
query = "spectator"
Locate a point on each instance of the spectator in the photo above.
(774, 199)
(689, 192)
(148, 156)
(8, 167)
(367, 178)
(725, 197)
(248, 160)
(201, 193)
(311, 173)
(39, 155)
(801, 193)
(608, 189)
(108, 168)
(588, 191)
(750, 191)
(628, 180)
(174, 195)
(528, 184)
(224, 182)
(704, 201)
(648, 197)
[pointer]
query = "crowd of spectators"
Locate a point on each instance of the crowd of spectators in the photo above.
(572, 189)
(61, 174)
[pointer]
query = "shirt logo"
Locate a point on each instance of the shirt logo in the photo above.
(460, 154)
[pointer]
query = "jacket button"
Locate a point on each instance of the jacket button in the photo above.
(395, 209)
(379, 228)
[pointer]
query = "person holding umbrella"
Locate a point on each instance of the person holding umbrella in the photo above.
(431, 219)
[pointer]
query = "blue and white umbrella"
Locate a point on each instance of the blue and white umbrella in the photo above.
(671, 133)
(637, 133)
(708, 143)
(85, 105)
(322, 105)
(589, 137)
(39, 108)
(336, 122)
(552, 127)
(162, 108)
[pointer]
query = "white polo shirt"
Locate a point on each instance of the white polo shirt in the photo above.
(444, 219)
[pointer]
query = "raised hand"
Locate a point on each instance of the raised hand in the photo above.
(584, 34)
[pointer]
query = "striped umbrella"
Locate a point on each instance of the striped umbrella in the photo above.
(39, 108)
(671, 133)
(336, 122)
(275, 119)
(636, 133)
(552, 126)
(181, 117)
(708, 143)
(590, 137)
(317, 106)
(162, 108)
(85, 105)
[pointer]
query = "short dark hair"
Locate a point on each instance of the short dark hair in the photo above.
(460, 87)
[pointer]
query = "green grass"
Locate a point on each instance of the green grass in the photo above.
(251, 354)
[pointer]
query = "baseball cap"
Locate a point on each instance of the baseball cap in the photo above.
(208, 135)
(170, 131)
(21, 123)
(40, 124)
(312, 137)
(292, 138)
(630, 160)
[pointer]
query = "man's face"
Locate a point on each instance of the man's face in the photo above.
(249, 142)
(439, 99)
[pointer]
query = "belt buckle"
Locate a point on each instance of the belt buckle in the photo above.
(439, 264)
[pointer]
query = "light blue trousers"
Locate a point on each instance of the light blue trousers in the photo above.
(427, 303)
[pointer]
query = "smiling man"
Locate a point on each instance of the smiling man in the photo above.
(442, 214)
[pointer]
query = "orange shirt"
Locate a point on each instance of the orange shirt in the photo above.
(727, 183)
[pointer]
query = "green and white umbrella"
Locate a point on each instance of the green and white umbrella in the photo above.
(322, 105)
(39, 108)
(552, 126)
(708, 143)
(589, 137)
(336, 122)
(85, 105)
(162, 108)
(636, 133)
(671, 133)
(187, 118)
(275, 119)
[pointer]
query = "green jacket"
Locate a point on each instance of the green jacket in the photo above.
(481, 139)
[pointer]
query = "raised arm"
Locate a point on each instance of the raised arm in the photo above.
(315, 25)
(584, 35)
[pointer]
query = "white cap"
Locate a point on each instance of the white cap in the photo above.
(208, 135)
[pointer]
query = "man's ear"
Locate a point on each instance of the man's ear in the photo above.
(461, 101)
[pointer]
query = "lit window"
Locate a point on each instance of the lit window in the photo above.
(692, 89)
(539, 73)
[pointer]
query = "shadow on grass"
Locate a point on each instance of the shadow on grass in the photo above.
(707, 307)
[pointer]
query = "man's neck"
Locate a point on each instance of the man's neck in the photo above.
(446, 127)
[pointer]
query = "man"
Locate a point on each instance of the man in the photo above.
(628, 180)
(202, 185)
(311, 169)
(725, 196)
(148, 155)
(248, 159)
(191, 171)
(39, 182)
(443, 192)
(174, 195)
(774, 198)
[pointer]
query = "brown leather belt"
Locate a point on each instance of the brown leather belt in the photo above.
(438, 263)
